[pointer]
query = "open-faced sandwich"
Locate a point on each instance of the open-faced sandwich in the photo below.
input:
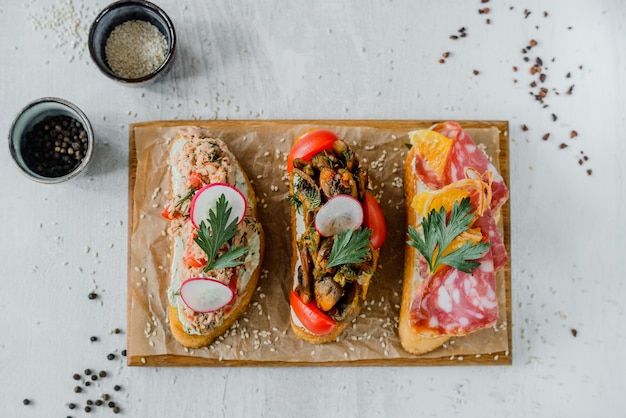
(454, 248)
(337, 231)
(216, 241)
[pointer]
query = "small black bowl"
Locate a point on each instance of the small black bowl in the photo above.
(122, 11)
(31, 115)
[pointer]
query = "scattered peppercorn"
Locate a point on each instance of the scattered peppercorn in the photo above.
(76, 376)
(87, 372)
(124, 352)
(111, 356)
(89, 402)
(94, 377)
(92, 295)
(111, 404)
(26, 401)
(116, 409)
(87, 409)
(99, 402)
(93, 339)
(87, 383)
(78, 389)
(55, 146)
(117, 331)
(117, 388)
(554, 118)
(71, 405)
(102, 373)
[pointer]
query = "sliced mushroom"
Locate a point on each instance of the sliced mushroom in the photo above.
(349, 306)
(327, 293)
(305, 276)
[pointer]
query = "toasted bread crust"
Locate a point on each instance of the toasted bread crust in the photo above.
(243, 298)
(410, 339)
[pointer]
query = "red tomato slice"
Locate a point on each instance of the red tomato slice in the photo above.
(166, 213)
(310, 143)
(191, 261)
(374, 220)
(311, 316)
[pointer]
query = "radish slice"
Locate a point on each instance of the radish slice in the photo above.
(206, 199)
(338, 215)
(204, 295)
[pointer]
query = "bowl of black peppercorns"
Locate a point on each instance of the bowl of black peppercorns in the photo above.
(51, 140)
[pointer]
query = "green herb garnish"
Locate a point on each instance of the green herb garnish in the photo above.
(350, 247)
(438, 234)
(186, 197)
(214, 235)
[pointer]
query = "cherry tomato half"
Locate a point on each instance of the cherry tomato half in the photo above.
(311, 317)
(310, 143)
(374, 220)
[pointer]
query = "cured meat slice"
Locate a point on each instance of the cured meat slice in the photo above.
(454, 303)
(466, 154)
(489, 228)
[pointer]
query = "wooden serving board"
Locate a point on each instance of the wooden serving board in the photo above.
(262, 336)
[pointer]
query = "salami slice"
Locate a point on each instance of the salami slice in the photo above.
(489, 228)
(466, 154)
(454, 303)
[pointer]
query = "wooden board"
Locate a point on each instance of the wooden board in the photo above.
(503, 357)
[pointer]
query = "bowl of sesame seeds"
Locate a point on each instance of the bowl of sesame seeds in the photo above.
(51, 140)
(132, 41)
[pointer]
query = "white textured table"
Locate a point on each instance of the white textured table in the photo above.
(328, 60)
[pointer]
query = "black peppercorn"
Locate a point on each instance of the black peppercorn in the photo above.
(76, 376)
(124, 353)
(93, 339)
(78, 389)
(89, 402)
(117, 388)
(99, 402)
(87, 372)
(111, 356)
(47, 148)
(87, 409)
(94, 377)
(92, 295)
(102, 373)
(111, 404)
(116, 410)
(26, 401)
(71, 405)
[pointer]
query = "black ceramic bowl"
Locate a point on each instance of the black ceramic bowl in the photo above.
(23, 146)
(123, 11)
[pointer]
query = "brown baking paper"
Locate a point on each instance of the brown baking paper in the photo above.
(262, 336)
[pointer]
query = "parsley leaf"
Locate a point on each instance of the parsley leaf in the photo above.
(350, 247)
(212, 236)
(438, 234)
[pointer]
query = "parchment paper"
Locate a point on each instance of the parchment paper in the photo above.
(262, 336)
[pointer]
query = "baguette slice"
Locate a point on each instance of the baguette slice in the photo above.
(353, 299)
(445, 162)
(194, 330)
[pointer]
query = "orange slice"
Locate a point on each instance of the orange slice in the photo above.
(424, 202)
(433, 148)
